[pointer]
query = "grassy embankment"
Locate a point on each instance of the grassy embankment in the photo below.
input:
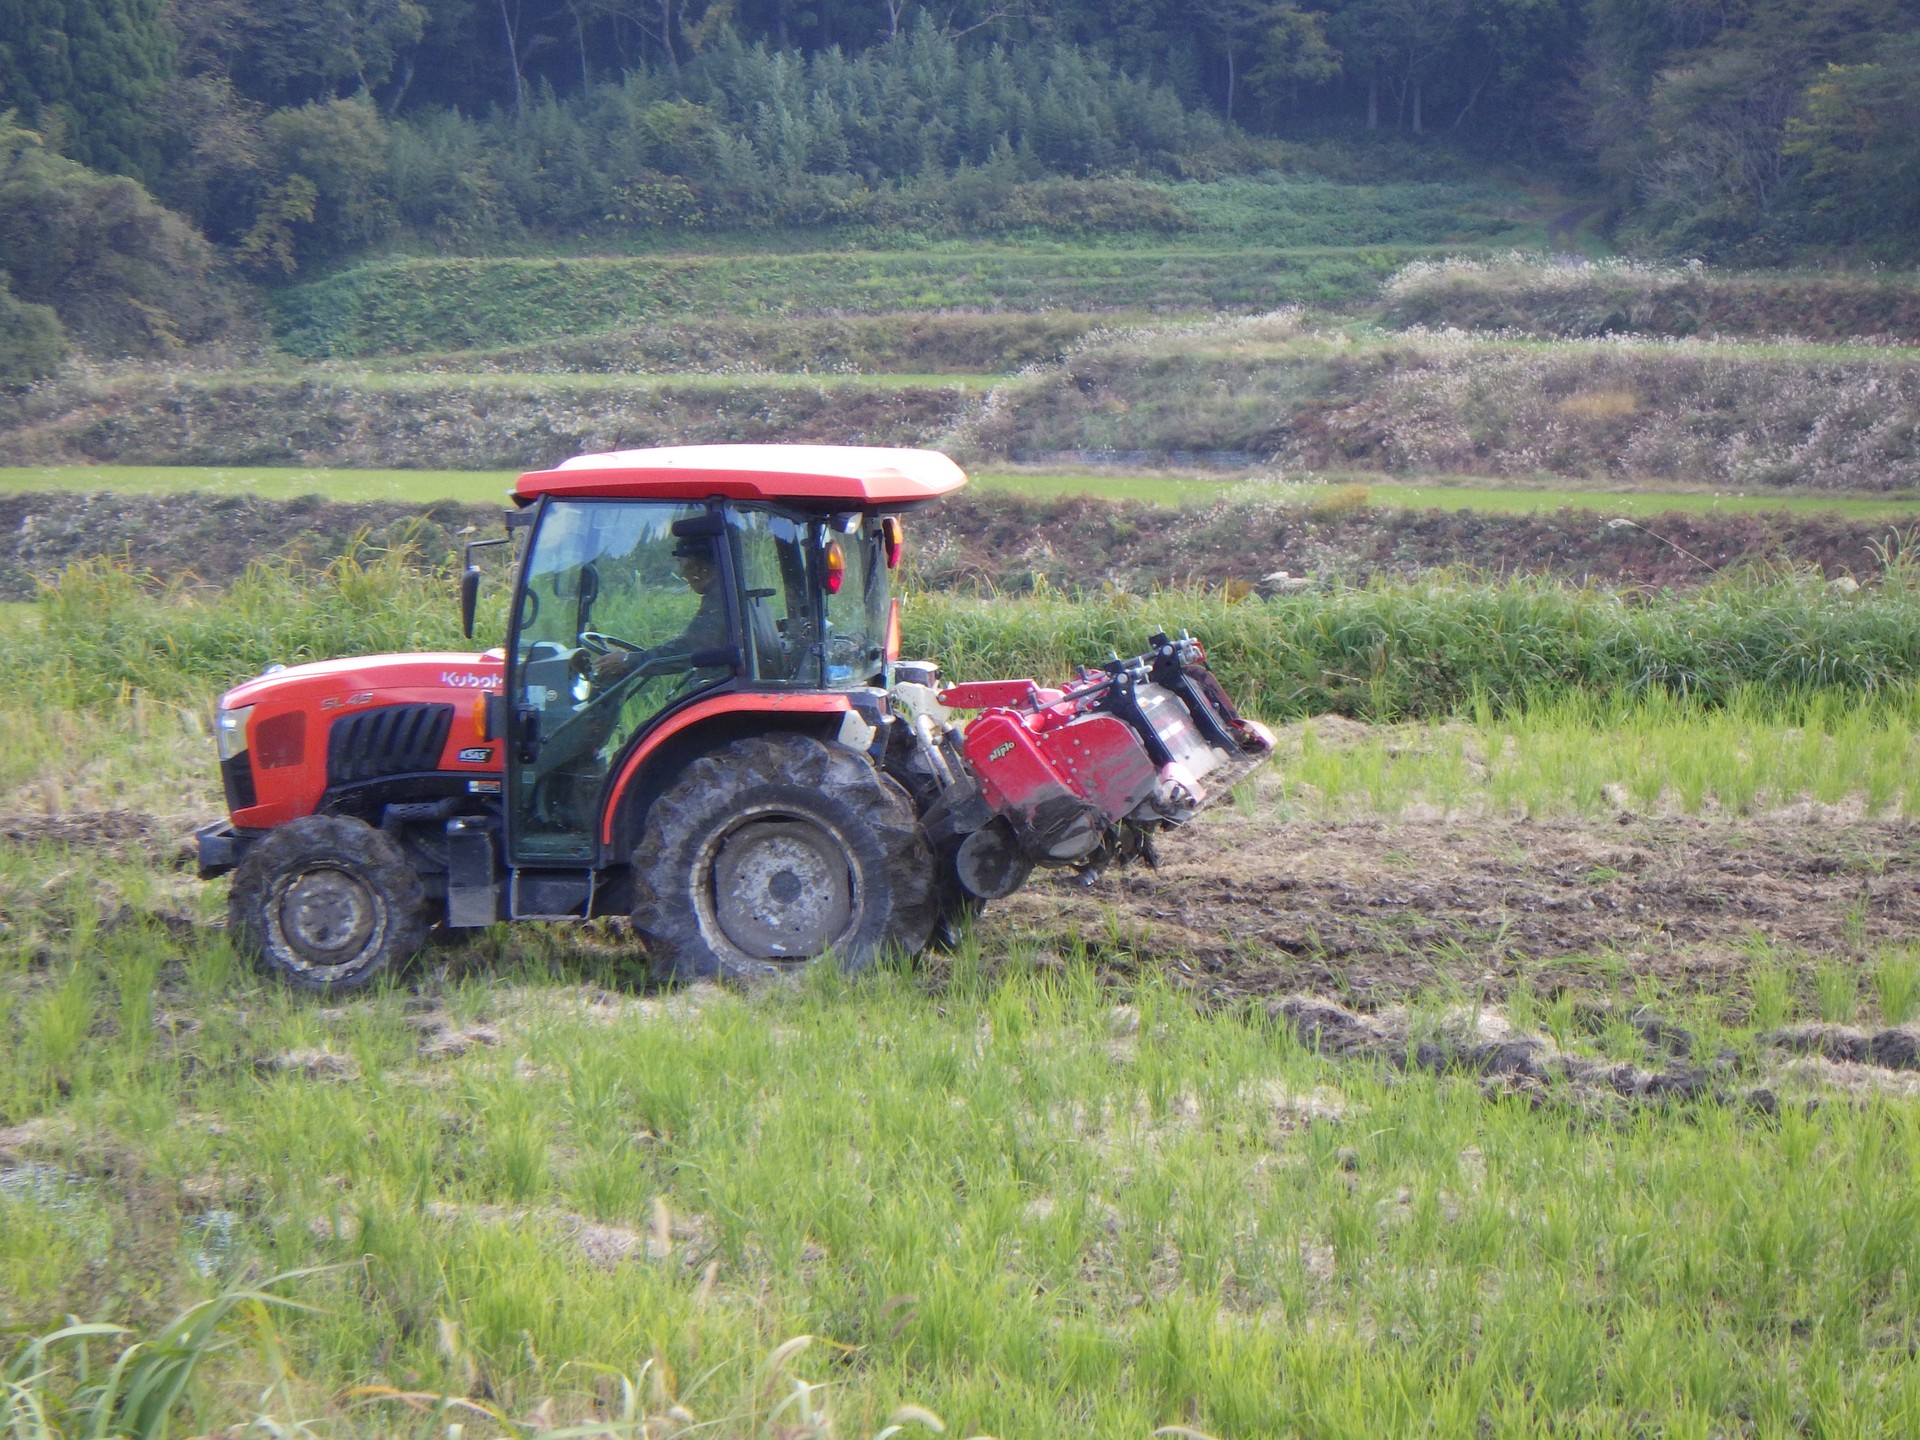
(407, 306)
(1241, 245)
(1287, 390)
(501, 362)
(1034, 1189)
(1780, 417)
(1518, 294)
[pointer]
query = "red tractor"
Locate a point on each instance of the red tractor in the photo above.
(699, 721)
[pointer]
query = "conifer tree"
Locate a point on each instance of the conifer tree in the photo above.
(88, 74)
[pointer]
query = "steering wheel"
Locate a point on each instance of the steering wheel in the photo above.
(600, 644)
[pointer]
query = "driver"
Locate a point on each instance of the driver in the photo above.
(706, 631)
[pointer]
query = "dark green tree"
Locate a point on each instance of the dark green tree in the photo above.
(125, 276)
(1856, 142)
(1267, 46)
(32, 344)
(89, 74)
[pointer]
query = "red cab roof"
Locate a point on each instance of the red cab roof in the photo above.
(853, 475)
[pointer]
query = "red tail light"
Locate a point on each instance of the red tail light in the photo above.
(836, 567)
(893, 532)
(893, 630)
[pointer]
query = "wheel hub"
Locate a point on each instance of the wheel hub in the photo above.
(327, 915)
(782, 889)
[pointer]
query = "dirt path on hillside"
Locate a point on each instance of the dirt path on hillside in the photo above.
(1372, 910)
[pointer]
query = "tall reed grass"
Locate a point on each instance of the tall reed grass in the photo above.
(1406, 650)
(1385, 651)
(1533, 295)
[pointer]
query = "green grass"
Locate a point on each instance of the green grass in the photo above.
(1160, 488)
(479, 487)
(406, 381)
(1552, 496)
(1302, 212)
(999, 1197)
(401, 306)
(1174, 488)
(1593, 754)
(1033, 1188)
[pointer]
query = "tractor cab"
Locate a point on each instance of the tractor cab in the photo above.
(645, 590)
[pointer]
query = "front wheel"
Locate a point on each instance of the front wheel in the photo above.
(327, 903)
(776, 850)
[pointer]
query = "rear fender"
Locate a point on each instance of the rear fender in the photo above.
(662, 752)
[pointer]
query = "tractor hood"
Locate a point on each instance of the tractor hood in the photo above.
(375, 677)
(298, 738)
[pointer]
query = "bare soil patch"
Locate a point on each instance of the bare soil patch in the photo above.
(1377, 910)
(120, 833)
(1372, 911)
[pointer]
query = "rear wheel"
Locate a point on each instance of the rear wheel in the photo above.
(327, 903)
(774, 851)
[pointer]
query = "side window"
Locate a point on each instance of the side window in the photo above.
(770, 552)
(857, 611)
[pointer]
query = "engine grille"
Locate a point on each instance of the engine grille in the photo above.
(387, 740)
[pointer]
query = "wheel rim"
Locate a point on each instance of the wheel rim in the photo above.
(326, 917)
(782, 889)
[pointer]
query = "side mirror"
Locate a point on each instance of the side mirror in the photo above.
(470, 582)
(469, 598)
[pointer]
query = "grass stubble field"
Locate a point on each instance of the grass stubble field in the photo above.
(1499, 1066)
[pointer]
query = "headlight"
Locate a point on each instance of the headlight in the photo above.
(230, 731)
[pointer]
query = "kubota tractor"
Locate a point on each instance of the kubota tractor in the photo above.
(699, 721)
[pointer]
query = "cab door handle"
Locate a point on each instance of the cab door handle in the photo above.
(526, 734)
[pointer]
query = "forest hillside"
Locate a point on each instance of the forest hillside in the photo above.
(161, 162)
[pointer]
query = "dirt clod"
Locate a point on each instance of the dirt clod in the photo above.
(1893, 1049)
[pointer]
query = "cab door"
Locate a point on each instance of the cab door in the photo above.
(617, 622)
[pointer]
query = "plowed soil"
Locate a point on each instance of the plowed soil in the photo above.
(1374, 910)
(999, 542)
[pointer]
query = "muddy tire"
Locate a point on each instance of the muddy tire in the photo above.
(326, 903)
(773, 851)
